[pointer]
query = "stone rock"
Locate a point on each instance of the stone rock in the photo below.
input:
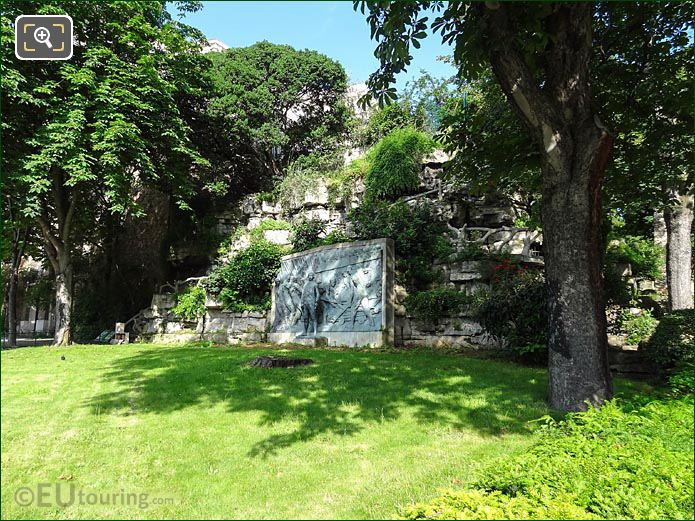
(462, 327)
(465, 271)
(318, 196)
(272, 209)
(163, 301)
(281, 237)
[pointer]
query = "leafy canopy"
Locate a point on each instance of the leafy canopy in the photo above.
(275, 103)
(112, 116)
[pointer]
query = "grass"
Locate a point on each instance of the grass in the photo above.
(357, 435)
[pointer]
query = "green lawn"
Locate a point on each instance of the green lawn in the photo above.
(358, 434)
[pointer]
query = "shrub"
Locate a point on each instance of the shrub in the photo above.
(646, 258)
(683, 381)
(590, 465)
(638, 327)
(414, 228)
(244, 283)
(307, 234)
(516, 309)
(387, 119)
(672, 341)
(190, 305)
(432, 304)
(396, 163)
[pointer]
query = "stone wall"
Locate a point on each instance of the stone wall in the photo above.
(158, 324)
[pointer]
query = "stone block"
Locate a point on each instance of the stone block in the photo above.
(162, 301)
(281, 237)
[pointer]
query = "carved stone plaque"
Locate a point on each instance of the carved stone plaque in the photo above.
(342, 292)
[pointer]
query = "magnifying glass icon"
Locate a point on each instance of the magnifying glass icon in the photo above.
(42, 35)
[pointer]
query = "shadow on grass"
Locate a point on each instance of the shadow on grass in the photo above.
(338, 394)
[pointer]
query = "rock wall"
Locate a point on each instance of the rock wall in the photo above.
(158, 324)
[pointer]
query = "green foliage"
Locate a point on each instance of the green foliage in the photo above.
(431, 305)
(307, 234)
(253, 235)
(414, 228)
(396, 164)
(190, 305)
(244, 282)
(275, 104)
(516, 308)
(389, 118)
(120, 105)
(671, 343)
(480, 504)
(590, 465)
(638, 327)
(304, 176)
(266, 197)
(683, 381)
(645, 257)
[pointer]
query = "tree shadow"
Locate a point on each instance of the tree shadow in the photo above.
(340, 393)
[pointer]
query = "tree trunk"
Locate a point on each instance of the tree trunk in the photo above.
(63, 308)
(679, 272)
(571, 212)
(12, 306)
(575, 148)
(18, 241)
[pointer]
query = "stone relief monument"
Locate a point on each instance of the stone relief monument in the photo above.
(338, 295)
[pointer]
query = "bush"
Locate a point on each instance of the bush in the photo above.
(432, 304)
(307, 234)
(683, 381)
(396, 164)
(646, 258)
(516, 309)
(244, 283)
(415, 229)
(671, 343)
(389, 118)
(190, 305)
(637, 327)
(590, 465)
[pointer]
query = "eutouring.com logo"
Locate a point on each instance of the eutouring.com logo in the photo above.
(67, 494)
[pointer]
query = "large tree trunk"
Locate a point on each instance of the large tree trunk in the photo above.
(575, 148)
(57, 238)
(679, 272)
(63, 307)
(571, 213)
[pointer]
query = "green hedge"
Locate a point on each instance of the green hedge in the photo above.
(629, 460)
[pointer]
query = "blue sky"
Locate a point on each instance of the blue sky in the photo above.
(332, 28)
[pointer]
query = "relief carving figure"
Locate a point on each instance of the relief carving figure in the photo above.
(310, 303)
(328, 303)
(362, 281)
(345, 296)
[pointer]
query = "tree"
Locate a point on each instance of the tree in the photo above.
(274, 104)
(540, 55)
(643, 73)
(84, 132)
(16, 233)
